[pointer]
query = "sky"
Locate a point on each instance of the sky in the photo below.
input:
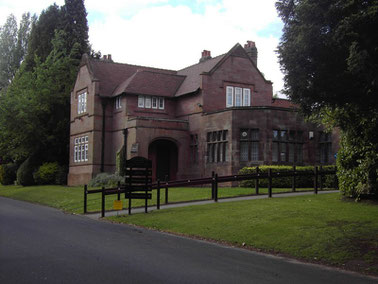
(171, 34)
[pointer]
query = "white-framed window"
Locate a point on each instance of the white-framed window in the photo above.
(118, 103)
(82, 103)
(154, 102)
(141, 101)
(81, 149)
(237, 96)
(147, 102)
(229, 96)
(246, 97)
(151, 102)
(161, 103)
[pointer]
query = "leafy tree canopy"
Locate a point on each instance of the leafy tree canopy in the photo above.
(329, 54)
(34, 112)
(13, 45)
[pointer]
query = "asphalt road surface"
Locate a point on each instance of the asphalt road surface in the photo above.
(43, 245)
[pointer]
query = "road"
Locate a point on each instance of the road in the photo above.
(43, 245)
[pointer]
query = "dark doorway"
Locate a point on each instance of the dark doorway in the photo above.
(163, 154)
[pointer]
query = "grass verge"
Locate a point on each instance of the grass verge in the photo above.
(321, 228)
(71, 199)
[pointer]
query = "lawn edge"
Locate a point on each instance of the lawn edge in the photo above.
(266, 252)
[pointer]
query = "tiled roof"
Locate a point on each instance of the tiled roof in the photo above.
(277, 102)
(111, 75)
(192, 73)
(116, 78)
(151, 83)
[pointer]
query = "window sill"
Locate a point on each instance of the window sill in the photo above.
(159, 111)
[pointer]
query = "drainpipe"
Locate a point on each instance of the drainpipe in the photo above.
(125, 132)
(103, 104)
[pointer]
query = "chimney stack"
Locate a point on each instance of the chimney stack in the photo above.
(250, 48)
(107, 58)
(206, 54)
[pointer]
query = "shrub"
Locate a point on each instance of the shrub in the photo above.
(357, 164)
(61, 175)
(105, 179)
(46, 174)
(8, 173)
(121, 162)
(25, 172)
(286, 182)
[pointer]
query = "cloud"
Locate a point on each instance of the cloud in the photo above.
(18, 7)
(172, 36)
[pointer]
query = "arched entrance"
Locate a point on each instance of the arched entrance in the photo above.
(164, 156)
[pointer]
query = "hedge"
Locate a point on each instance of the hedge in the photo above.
(8, 173)
(286, 182)
(25, 172)
(106, 179)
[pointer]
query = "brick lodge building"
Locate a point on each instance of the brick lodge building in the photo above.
(217, 115)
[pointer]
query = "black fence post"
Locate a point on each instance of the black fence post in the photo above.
(294, 179)
(166, 189)
(119, 188)
(129, 202)
(321, 177)
(103, 202)
(212, 185)
(85, 198)
(257, 180)
(270, 182)
(158, 195)
(146, 203)
(316, 180)
(216, 188)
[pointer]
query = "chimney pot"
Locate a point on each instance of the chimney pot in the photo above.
(250, 48)
(206, 54)
(109, 57)
(105, 57)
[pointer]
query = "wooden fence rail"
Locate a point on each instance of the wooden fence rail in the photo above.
(214, 180)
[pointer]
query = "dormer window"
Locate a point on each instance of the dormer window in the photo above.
(82, 103)
(237, 96)
(154, 102)
(161, 103)
(118, 103)
(151, 102)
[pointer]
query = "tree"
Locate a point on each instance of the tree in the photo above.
(34, 114)
(329, 55)
(75, 25)
(23, 39)
(8, 41)
(13, 45)
(42, 33)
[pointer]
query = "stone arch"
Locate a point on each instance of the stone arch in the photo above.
(163, 152)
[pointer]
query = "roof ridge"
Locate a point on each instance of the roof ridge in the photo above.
(128, 64)
(190, 66)
(155, 72)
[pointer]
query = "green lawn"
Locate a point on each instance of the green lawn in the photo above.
(317, 228)
(71, 199)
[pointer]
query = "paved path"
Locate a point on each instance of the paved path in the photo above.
(43, 245)
(202, 202)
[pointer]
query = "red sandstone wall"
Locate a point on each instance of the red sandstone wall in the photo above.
(235, 71)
